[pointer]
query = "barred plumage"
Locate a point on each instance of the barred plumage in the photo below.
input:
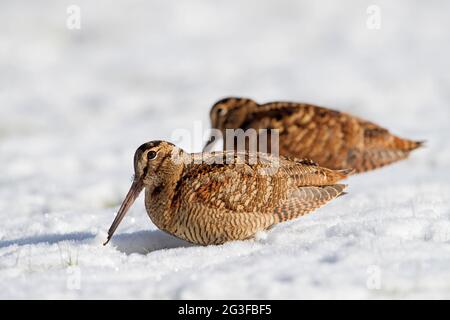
(204, 200)
(334, 139)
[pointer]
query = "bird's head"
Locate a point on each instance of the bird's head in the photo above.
(153, 162)
(229, 113)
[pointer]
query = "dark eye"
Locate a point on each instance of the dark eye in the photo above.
(151, 155)
(221, 111)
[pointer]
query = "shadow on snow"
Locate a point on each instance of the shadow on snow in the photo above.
(142, 242)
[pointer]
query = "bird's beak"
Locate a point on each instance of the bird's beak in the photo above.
(209, 144)
(134, 192)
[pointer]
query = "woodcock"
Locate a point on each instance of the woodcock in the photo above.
(333, 139)
(212, 198)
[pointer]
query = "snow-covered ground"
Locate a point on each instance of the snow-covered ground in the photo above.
(75, 104)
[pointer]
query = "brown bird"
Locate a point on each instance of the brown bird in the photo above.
(333, 139)
(212, 198)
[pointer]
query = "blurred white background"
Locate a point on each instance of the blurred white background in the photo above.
(75, 104)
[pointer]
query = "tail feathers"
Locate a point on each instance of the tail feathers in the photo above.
(306, 199)
(333, 176)
(418, 144)
(346, 172)
(373, 159)
(343, 193)
(377, 157)
(407, 145)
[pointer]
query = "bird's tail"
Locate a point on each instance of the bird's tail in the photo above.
(406, 145)
(306, 199)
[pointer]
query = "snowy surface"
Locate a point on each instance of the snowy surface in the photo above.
(75, 104)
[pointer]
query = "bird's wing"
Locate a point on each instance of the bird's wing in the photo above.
(380, 148)
(376, 137)
(334, 139)
(306, 199)
(246, 186)
(310, 131)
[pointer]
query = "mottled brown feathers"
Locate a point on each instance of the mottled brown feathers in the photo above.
(333, 139)
(211, 203)
(212, 198)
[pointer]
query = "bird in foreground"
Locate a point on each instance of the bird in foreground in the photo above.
(212, 198)
(334, 139)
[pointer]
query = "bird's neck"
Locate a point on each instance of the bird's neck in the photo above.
(159, 199)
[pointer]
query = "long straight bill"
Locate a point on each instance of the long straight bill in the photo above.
(134, 192)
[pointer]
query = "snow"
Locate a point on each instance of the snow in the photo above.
(75, 104)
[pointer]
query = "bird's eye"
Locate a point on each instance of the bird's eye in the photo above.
(221, 111)
(151, 155)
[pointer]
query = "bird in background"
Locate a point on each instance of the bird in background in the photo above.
(334, 139)
(212, 198)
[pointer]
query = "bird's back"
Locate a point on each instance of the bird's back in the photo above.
(217, 202)
(334, 139)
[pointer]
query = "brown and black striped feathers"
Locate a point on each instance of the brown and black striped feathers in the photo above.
(234, 201)
(251, 187)
(334, 139)
(212, 198)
